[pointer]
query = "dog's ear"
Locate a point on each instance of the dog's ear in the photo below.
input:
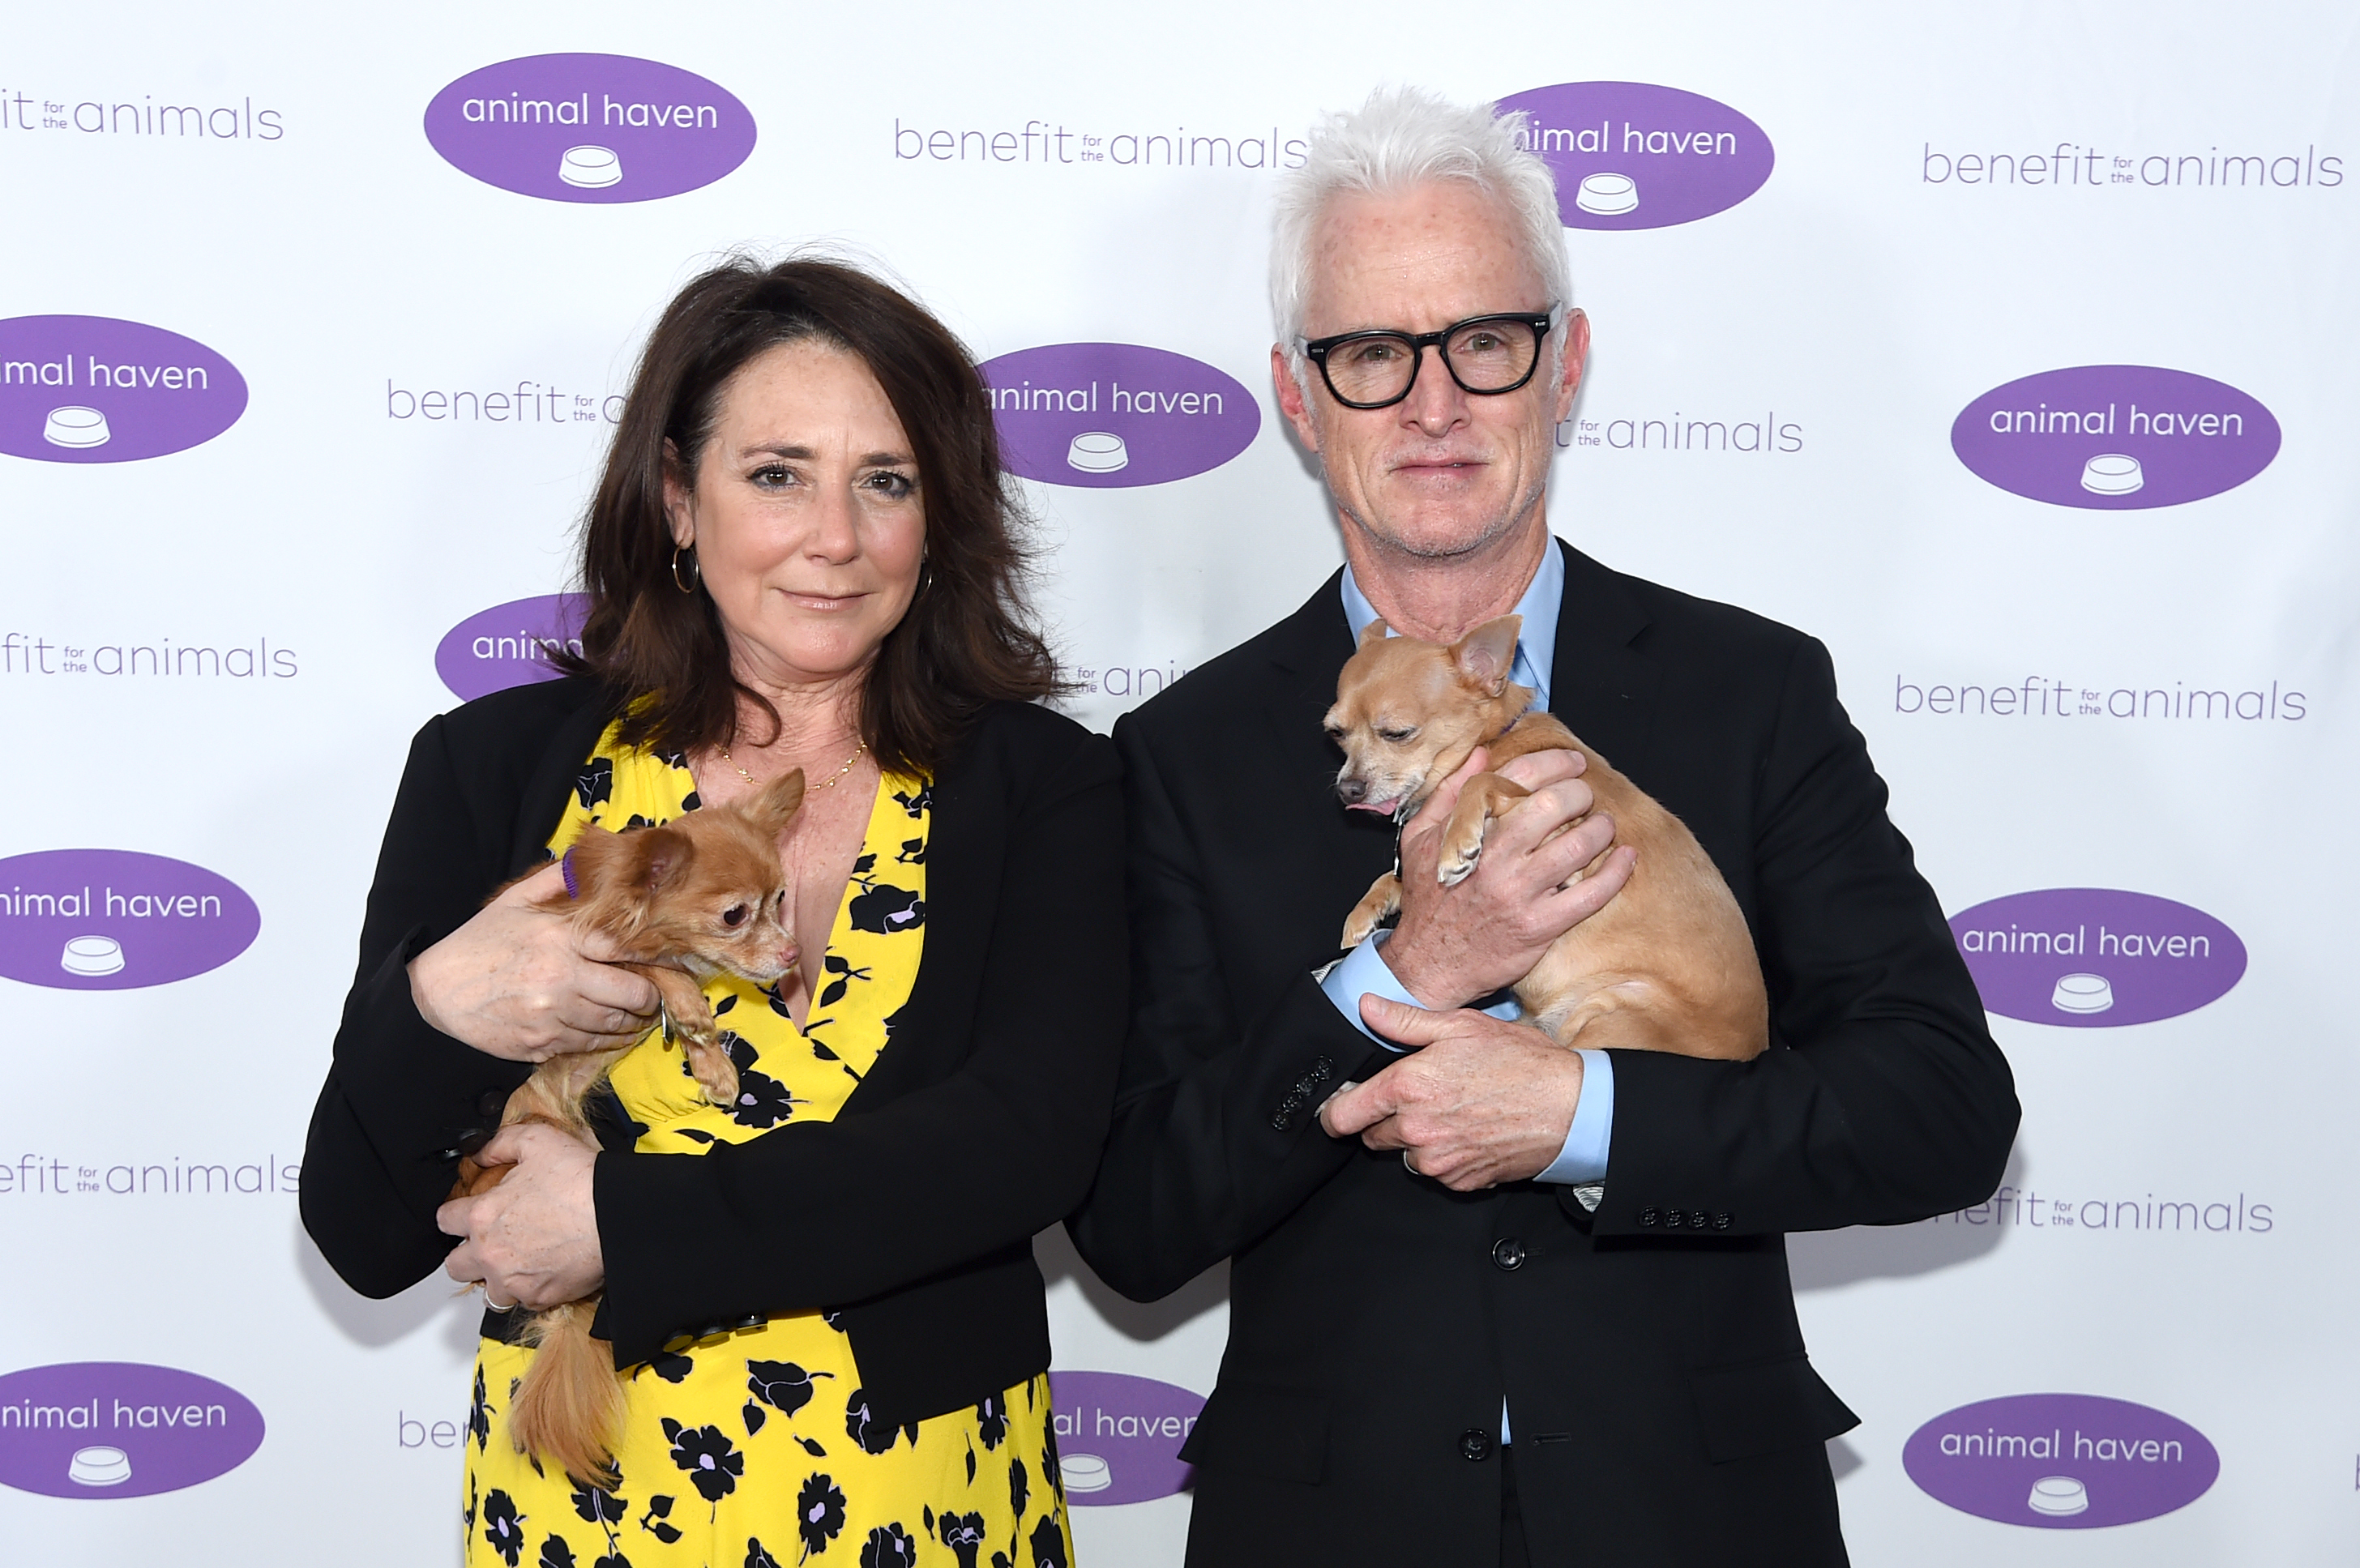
(1375, 631)
(780, 800)
(656, 857)
(1485, 655)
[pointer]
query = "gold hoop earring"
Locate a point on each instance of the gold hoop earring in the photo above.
(695, 572)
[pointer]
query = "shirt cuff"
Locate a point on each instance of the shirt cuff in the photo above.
(1583, 1159)
(1364, 973)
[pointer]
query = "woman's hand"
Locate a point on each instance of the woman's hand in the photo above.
(534, 1237)
(519, 983)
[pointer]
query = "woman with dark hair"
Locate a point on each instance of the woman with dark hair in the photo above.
(821, 1297)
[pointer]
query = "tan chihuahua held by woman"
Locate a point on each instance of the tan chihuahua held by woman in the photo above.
(1668, 964)
(697, 897)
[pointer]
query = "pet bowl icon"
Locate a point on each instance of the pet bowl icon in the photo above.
(99, 1467)
(1096, 451)
(93, 955)
(2083, 994)
(74, 426)
(590, 167)
(1084, 1473)
(2059, 1496)
(2112, 474)
(1608, 195)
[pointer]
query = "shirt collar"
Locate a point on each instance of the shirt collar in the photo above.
(1536, 642)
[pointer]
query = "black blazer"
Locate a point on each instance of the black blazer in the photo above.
(913, 1209)
(1663, 1409)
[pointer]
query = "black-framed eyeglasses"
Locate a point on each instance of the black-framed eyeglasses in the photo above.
(1486, 356)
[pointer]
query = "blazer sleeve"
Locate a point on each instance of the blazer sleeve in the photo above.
(822, 1215)
(401, 1096)
(1206, 1154)
(1883, 1098)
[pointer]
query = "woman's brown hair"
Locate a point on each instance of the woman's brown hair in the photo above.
(969, 638)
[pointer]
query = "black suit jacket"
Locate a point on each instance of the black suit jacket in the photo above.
(1663, 1409)
(913, 1209)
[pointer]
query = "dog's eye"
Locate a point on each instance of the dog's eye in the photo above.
(1335, 731)
(734, 916)
(1398, 737)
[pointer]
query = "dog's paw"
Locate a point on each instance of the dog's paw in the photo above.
(1457, 865)
(720, 1085)
(1359, 926)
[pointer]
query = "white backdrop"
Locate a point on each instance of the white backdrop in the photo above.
(259, 181)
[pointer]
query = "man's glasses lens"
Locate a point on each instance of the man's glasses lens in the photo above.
(1489, 356)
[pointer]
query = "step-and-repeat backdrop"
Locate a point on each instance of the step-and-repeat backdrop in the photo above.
(2007, 348)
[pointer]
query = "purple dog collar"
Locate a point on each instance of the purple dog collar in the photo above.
(573, 884)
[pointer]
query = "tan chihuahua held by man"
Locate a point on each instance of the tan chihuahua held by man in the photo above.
(1666, 965)
(1499, 1301)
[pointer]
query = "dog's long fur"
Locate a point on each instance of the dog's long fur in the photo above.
(1668, 964)
(700, 895)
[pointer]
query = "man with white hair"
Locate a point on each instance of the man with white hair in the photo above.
(1492, 1299)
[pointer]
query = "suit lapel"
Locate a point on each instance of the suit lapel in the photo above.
(1601, 687)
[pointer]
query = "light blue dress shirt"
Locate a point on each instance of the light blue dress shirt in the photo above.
(1364, 971)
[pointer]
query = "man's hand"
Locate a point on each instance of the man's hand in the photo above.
(1455, 945)
(1484, 1101)
(519, 982)
(534, 1237)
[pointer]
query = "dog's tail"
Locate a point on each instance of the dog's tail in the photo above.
(569, 1407)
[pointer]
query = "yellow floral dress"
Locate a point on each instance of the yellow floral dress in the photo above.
(757, 1448)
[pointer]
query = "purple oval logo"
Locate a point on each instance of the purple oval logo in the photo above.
(590, 128)
(1629, 155)
(2060, 1461)
(118, 1428)
(1119, 1436)
(2115, 437)
(114, 920)
(2095, 957)
(95, 389)
(1105, 416)
(509, 644)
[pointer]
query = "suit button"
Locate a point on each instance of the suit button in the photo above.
(1475, 1445)
(1720, 1222)
(1696, 1220)
(491, 1103)
(1508, 1253)
(1647, 1216)
(1674, 1219)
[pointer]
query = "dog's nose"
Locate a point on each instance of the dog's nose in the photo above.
(1351, 792)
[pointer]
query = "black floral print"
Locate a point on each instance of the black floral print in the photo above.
(671, 1367)
(991, 1420)
(504, 1526)
(712, 1461)
(963, 1534)
(918, 804)
(657, 1521)
(781, 1385)
(479, 1414)
(1018, 1487)
(1048, 1543)
(604, 1508)
(861, 1425)
(596, 783)
(757, 1556)
(1051, 1471)
(886, 909)
(555, 1554)
(819, 1512)
(891, 1546)
(762, 1101)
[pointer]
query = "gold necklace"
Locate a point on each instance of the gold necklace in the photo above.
(823, 784)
